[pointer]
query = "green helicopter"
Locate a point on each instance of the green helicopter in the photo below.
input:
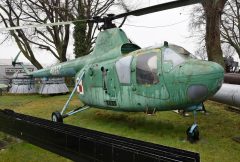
(118, 75)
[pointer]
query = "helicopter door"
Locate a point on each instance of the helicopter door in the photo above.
(149, 81)
(109, 86)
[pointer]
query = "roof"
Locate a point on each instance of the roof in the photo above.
(8, 62)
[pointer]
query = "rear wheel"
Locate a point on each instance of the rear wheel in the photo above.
(57, 117)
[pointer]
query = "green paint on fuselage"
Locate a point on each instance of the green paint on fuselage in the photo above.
(103, 89)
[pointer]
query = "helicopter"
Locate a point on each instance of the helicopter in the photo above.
(118, 75)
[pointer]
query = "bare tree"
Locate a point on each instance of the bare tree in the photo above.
(228, 50)
(213, 11)
(201, 53)
(84, 33)
(229, 28)
(230, 25)
(54, 39)
(10, 16)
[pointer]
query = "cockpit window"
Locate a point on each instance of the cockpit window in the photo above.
(171, 55)
(146, 69)
(124, 70)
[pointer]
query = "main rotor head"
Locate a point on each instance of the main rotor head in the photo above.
(106, 20)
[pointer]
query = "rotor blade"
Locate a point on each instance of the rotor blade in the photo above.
(40, 25)
(156, 8)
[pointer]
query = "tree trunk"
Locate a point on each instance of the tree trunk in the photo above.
(80, 43)
(35, 63)
(80, 34)
(213, 10)
(25, 48)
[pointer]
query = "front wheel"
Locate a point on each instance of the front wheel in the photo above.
(57, 117)
(193, 133)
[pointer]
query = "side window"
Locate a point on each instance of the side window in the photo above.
(123, 67)
(146, 69)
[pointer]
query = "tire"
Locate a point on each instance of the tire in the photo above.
(193, 136)
(57, 117)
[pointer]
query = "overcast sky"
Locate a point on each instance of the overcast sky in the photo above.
(171, 26)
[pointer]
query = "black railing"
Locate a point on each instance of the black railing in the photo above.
(86, 145)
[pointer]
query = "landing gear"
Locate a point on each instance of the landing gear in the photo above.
(204, 109)
(192, 131)
(57, 117)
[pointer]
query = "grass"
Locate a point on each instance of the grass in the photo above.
(165, 128)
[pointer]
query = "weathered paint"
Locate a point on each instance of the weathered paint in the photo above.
(102, 88)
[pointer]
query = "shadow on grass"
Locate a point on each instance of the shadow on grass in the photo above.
(139, 122)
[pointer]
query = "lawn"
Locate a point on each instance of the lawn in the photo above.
(165, 128)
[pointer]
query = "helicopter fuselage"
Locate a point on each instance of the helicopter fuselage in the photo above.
(121, 85)
(120, 76)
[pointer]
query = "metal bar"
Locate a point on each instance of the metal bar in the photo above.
(74, 90)
(232, 78)
(86, 145)
(76, 111)
(228, 94)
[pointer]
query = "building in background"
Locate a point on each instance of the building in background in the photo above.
(7, 70)
(22, 84)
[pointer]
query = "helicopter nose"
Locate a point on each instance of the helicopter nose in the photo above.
(199, 67)
(206, 79)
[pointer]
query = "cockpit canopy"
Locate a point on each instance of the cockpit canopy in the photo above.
(148, 63)
(176, 54)
(180, 50)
